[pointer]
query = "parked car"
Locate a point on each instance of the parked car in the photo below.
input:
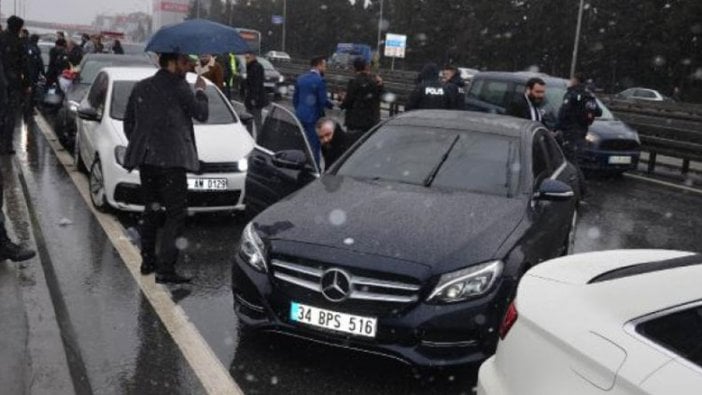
(223, 145)
(412, 243)
(615, 322)
(274, 82)
(278, 56)
(642, 94)
(346, 53)
(65, 125)
(611, 145)
(467, 74)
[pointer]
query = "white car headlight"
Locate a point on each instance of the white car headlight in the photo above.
(281, 79)
(243, 165)
(466, 283)
(252, 249)
(592, 138)
(73, 106)
(120, 153)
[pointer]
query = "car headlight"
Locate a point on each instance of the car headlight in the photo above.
(73, 106)
(592, 138)
(120, 153)
(252, 249)
(467, 283)
(243, 165)
(281, 79)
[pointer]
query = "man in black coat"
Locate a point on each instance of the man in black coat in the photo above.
(456, 88)
(528, 106)
(335, 142)
(14, 57)
(430, 93)
(255, 92)
(158, 124)
(362, 100)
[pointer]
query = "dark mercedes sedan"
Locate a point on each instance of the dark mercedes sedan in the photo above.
(412, 244)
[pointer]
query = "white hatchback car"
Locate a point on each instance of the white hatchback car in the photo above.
(617, 322)
(223, 146)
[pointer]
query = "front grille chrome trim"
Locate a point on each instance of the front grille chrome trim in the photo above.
(298, 268)
(384, 284)
(312, 286)
(382, 297)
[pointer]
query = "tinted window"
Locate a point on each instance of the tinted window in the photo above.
(679, 332)
(554, 152)
(220, 114)
(494, 92)
(539, 161)
(646, 94)
(98, 93)
(475, 87)
(280, 132)
(460, 160)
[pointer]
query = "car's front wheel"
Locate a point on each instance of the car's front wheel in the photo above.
(97, 186)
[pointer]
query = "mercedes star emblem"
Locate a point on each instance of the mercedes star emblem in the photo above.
(336, 285)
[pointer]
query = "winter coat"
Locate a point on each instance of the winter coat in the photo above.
(158, 123)
(362, 102)
(255, 92)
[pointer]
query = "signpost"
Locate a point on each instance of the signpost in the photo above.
(395, 46)
(277, 20)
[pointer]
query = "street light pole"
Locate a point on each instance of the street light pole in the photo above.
(577, 39)
(285, 22)
(380, 26)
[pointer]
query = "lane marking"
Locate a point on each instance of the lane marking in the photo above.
(215, 378)
(664, 183)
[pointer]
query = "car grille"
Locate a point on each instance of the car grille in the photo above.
(369, 293)
(619, 145)
(221, 167)
(131, 194)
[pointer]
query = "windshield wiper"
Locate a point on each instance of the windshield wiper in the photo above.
(430, 178)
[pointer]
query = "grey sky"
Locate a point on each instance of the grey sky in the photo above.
(72, 11)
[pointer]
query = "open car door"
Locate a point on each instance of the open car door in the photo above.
(281, 163)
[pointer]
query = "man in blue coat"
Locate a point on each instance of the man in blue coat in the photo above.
(310, 100)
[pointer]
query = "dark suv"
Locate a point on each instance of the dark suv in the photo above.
(611, 145)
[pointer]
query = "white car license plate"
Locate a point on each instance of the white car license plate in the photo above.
(620, 160)
(207, 184)
(339, 322)
(269, 84)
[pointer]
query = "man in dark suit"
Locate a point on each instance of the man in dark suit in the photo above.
(159, 126)
(256, 97)
(529, 105)
(334, 141)
(310, 100)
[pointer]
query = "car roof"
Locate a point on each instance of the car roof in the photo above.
(520, 77)
(621, 284)
(127, 57)
(465, 120)
(140, 73)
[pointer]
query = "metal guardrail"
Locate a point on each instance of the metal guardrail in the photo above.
(670, 129)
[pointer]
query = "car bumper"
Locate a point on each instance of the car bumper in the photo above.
(596, 159)
(125, 194)
(421, 335)
(488, 380)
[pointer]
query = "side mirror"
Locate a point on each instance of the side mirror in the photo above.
(88, 114)
(290, 159)
(555, 191)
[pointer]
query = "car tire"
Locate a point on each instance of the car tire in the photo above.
(77, 159)
(96, 185)
(569, 245)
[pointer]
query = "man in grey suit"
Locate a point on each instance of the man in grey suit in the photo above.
(159, 125)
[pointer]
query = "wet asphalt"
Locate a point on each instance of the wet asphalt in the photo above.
(117, 345)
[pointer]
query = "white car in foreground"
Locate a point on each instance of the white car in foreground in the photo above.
(617, 322)
(222, 142)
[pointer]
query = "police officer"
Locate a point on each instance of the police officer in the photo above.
(430, 92)
(577, 113)
(456, 87)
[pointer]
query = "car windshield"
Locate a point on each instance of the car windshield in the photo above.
(438, 158)
(220, 113)
(92, 67)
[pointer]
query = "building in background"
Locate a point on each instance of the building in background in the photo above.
(167, 12)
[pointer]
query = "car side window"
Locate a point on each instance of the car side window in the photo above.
(555, 154)
(475, 88)
(539, 159)
(678, 332)
(282, 132)
(98, 93)
(494, 92)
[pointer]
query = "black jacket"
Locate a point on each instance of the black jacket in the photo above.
(520, 108)
(158, 123)
(578, 111)
(362, 102)
(14, 57)
(256, 96)
(35, 62)
(339, 144)
(58, 61)
(456, 92)
(430, 93)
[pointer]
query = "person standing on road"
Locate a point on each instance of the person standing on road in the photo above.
(58, 61)
(528, 106)
(310, 100)
(362, 100)
(14, 58)
(208, 68)
(159, 126)
(117, 48)
(455, 86)
(577, 113)
(8, 249)
(429, 93)
(255, 98)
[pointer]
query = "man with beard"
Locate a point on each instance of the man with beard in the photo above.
(158, 123)
(529, 105)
